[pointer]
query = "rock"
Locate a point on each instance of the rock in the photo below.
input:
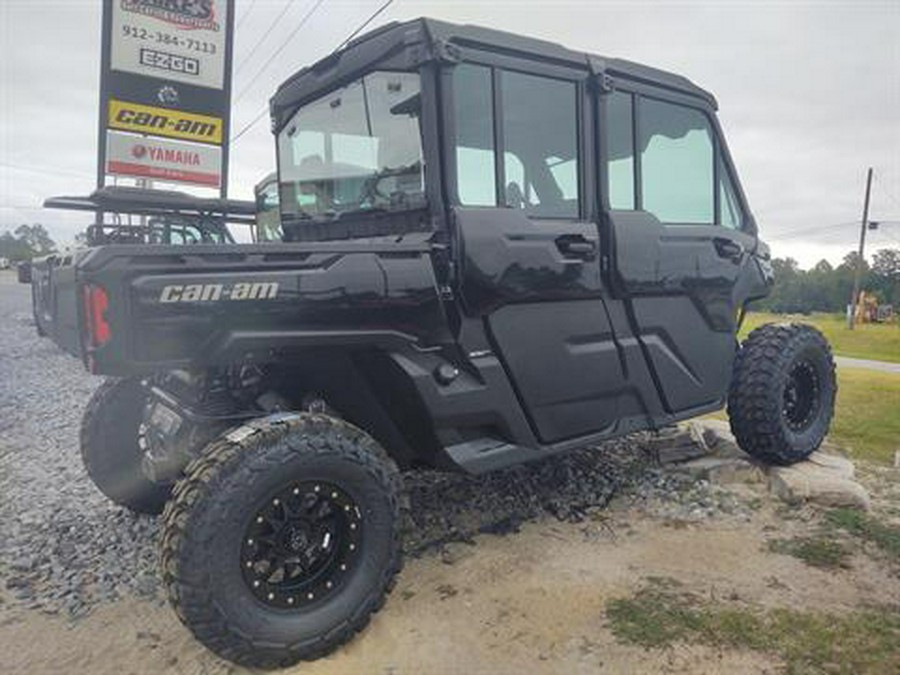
(146, 585)
(717, 437)
(671, 446)
(810, 482)
(24, 593)
(22, 564)
(838, 465)
(16, 582)
(714, 431)
(831, 448)
(454, 552)
(724, 470)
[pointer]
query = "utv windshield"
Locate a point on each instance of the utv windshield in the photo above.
(268, 220)
(356, 149)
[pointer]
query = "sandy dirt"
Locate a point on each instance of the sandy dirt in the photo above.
(528, 602)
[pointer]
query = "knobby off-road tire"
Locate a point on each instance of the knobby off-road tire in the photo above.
(110, 446)
(234, 507)
(782, 393)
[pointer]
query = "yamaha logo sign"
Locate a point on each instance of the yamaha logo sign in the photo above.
(176, 161)
(184, 14)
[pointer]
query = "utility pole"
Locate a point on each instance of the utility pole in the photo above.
(860, 261)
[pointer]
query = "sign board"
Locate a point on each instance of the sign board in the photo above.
(148, 157)
(180, 40)
(166, 74)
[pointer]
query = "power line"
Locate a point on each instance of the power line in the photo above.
(244, 16)
(253, 80)
(249, 125)
(889, 194)
(262, 112)
(364, 24)
(817, 229)
(262, 38)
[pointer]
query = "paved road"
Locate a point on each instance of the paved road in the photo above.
(880, 366)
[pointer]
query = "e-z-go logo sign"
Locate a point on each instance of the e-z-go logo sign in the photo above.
(185, 14)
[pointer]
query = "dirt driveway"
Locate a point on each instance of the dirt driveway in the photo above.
(530, 602)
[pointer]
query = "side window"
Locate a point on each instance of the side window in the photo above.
(620, 139)
(539, 122)
(730, 214)
(539, 163)
(473, 111)
(676, 163)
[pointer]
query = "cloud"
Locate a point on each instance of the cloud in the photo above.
(809, 93)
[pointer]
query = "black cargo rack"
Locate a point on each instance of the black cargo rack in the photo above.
(128, 215)
(143, 202)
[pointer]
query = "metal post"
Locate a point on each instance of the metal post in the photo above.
(862, 244)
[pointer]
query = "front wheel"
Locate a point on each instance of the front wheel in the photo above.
(282, 539)
(782, 393)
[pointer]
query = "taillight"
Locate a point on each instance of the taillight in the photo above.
(96, 302)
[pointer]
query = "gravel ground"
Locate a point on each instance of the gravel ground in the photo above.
(64, 548)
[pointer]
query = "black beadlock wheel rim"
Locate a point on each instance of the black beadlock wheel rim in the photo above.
(800, 402)
(301, 544)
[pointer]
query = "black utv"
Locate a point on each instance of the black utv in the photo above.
(494, 249)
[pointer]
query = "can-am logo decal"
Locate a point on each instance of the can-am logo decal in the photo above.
(168, 95)
(186, 14)
(257, 290)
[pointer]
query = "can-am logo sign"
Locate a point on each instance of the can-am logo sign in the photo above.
(186, 14)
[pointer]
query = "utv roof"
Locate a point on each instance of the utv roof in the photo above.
(432, 39)
(140, 201)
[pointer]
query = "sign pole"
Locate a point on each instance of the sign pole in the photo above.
(226, 140)
(105, 30)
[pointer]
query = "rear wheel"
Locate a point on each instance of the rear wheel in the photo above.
(782, 393)
(111, 447)
(282, 539)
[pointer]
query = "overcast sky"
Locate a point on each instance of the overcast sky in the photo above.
(809, 94)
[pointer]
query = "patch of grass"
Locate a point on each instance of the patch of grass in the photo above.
(885, 537)
(866, 418)
(877, 341)
(815, 551)
(856, 642)
(865, 414)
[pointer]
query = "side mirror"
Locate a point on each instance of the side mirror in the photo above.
(24, 272)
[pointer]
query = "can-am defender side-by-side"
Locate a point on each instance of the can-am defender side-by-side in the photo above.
(494, 249)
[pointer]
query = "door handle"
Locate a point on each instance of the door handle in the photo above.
(576, 246)
(730, 249)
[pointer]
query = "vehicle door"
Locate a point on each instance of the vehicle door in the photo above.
(529, 253)
(679, 236)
